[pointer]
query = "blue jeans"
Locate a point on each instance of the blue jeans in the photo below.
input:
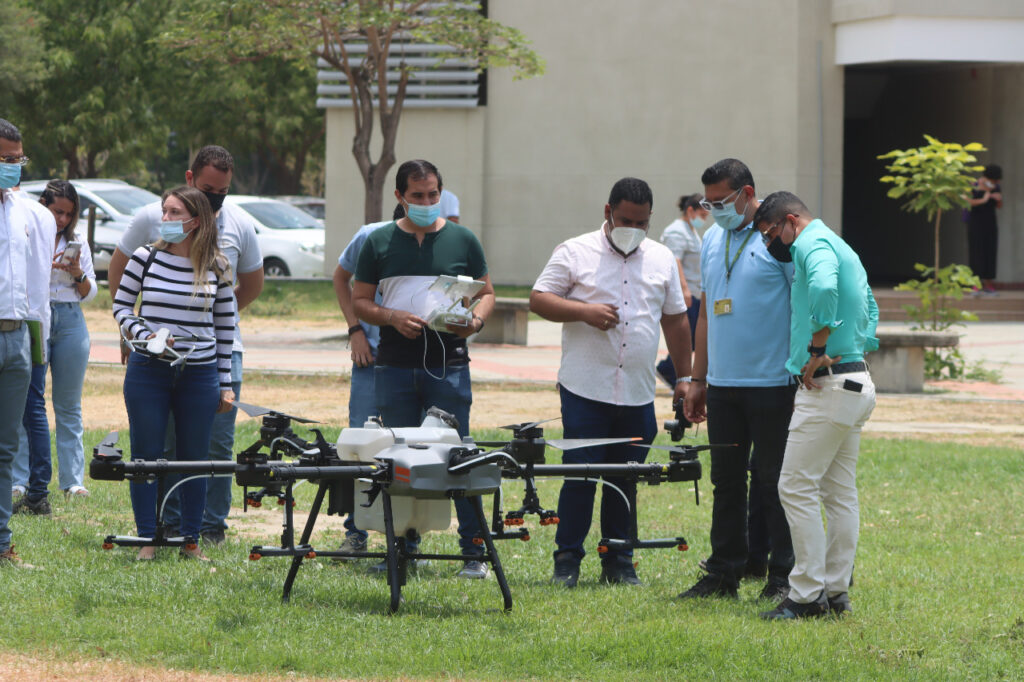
(362, 404)
(403, 397)
(37, 433)
(584, 418)
(153, 390)
(15, 374)
(222, 445)
(68, 359)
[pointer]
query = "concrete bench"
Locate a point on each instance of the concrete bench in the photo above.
(507, 323)
(898, 364)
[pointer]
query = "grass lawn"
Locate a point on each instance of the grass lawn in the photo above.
(937, 593)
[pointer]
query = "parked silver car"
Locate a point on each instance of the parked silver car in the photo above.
(116, 203)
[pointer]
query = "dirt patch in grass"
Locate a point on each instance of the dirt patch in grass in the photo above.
(22, 667)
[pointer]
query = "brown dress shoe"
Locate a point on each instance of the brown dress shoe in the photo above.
(10, 558)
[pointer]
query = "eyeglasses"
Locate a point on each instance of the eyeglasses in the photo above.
(14, 160)
(764, 235)
(719, 205)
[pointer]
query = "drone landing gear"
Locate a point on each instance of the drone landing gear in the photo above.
(160, 538)
(606, 545)
(396, 554)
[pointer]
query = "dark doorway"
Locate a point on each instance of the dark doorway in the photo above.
(892, 106)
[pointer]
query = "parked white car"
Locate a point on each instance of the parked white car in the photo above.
(291, 240)
(116, 203)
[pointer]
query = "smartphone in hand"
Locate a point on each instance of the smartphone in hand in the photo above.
(71, 253)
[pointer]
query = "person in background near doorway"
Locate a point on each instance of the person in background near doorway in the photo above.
(982, 230)
(72, 282)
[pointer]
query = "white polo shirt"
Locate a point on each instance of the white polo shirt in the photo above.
(237, 241)
(617, 365)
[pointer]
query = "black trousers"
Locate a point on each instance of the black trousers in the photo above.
(757, 417)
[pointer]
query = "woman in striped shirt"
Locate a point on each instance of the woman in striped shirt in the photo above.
(185, 285)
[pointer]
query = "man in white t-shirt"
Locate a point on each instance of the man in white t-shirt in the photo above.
(211, 174)
(611, 288)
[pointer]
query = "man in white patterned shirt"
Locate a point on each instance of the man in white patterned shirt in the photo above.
(611, 288)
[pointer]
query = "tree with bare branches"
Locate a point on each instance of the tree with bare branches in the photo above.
(364, 40)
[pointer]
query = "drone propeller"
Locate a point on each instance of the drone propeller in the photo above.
(575, 443)
(527, 425)
(108, 446)
(256, 411)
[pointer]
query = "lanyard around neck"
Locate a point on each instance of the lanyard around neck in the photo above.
(728, 239)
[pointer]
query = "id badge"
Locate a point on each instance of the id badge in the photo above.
(723, 306)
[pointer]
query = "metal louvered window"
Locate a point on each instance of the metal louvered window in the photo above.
(449, 84)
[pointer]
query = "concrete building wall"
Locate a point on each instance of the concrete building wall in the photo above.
(650, 89)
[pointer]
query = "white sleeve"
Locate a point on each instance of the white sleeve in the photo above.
(250, 258)
(141, 231)
(85, 262)
(557, 277)
(41, 245)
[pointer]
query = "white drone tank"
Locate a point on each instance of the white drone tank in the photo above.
(364, 444)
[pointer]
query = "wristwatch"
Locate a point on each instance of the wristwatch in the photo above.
(355, 328)
(81, 278)
(815, 351)
(477, 317)
(682, 380)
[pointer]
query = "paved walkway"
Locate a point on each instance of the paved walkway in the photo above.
(999, 345)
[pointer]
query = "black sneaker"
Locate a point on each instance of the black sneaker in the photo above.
(623, 574)
(40, 507)
(711, 585)
(776, 589)
(212, 537)
(839, 605)
(567, 572)
(791, 610)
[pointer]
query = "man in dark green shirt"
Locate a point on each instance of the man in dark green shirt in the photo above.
(832, 324)
(418, 367)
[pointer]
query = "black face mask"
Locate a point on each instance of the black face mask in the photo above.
(216, 200)
(780, 251)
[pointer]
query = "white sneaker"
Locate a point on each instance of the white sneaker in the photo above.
(76, 491)
(17, 492)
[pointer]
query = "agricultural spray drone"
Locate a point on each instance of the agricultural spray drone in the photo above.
(400, 481)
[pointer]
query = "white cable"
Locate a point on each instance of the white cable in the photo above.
(444, 357)
(167, 495)
(598, 480)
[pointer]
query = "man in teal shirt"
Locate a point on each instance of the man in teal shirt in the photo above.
(832, 325)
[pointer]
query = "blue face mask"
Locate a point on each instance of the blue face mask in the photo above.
(10, 175)
(173, 231)
(698, 224)
(727, 217)
(424, 216)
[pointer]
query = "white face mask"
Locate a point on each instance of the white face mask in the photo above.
(626, 239)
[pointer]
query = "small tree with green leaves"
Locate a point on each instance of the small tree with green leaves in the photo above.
(932, 179)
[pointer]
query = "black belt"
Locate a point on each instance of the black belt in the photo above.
(9, 325)
(841, 368)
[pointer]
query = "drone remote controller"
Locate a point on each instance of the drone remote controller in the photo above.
(456, 313)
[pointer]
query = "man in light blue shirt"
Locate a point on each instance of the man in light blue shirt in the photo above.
(740, 382)
(833, 322)
(362, 340)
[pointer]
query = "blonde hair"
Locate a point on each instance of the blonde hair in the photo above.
(204, 252)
